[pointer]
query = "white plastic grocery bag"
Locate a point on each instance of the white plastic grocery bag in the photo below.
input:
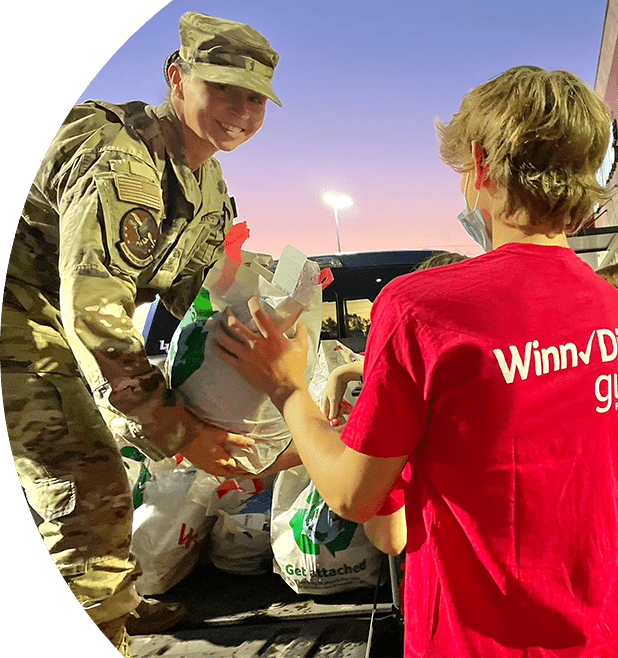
(239, 541)
(182, 512)
(315, 550)
(214, 390)
(172, 518)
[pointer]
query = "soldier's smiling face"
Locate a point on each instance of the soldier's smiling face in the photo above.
(217, 117)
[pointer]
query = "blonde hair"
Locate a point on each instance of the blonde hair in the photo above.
(610, 274)
(438, 259)
(544, 135)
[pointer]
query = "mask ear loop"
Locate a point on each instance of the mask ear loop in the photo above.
(465, 189)
(476, 203)
(478, 194)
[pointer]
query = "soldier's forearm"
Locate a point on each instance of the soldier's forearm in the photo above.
(138, 391)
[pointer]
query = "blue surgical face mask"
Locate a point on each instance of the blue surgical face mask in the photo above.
(473, 221)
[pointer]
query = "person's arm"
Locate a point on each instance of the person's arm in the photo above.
(336, 386)
(387, 532)
(354, 485)
(105, 244)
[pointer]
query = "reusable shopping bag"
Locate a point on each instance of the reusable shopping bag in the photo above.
(315, 550)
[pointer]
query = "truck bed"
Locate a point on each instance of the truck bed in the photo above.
(260, 616)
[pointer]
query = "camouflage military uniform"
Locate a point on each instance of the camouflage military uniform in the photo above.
(114, 217)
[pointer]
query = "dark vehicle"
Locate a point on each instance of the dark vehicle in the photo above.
(357, 279)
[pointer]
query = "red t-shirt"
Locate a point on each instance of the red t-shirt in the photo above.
(499, 377)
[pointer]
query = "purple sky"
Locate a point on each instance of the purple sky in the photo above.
(361, 84)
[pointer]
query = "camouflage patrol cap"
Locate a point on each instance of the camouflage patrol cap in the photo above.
(219, 50)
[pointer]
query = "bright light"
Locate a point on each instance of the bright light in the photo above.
(337, 201)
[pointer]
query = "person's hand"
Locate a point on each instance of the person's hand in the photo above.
(267, 359)
(176, 429)
(335, 389)
(332, 397)
(209, 451)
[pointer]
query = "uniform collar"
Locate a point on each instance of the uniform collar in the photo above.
(192, 184)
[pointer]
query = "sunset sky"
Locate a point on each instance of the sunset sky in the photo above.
(361, 85)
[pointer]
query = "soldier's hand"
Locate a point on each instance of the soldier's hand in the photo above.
(209, 451)
(174, 429)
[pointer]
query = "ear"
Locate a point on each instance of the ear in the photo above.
(175, 79)
(480, 170)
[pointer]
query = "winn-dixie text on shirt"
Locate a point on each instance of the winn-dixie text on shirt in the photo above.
(554, 358)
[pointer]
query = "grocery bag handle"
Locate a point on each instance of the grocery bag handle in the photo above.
(326, 277)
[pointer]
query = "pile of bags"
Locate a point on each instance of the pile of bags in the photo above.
(180, 510)
(253, 525)
(244, 527)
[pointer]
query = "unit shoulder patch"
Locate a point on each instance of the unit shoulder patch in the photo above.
(138, 237)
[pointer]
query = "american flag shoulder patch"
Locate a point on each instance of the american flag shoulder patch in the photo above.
(136, 190)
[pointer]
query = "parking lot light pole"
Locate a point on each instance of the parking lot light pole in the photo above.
(337, 201)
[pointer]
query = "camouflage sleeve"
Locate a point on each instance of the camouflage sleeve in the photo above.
(181, 293)
(110, 208)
